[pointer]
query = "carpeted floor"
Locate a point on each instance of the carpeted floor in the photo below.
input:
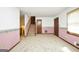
(43, 43)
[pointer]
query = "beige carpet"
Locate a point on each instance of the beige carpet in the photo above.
(43, 43)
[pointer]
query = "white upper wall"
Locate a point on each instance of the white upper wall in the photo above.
(9, 18)
(26, 18)
(46, 21)
(63, 21)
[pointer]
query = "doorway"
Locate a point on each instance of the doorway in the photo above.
(39, 26)
(32, 28)
(22, 24)
(32, 19)
(56, 26)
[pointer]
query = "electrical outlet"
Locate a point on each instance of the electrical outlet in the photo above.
(45, 31)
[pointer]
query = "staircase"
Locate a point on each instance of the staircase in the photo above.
(32, 30)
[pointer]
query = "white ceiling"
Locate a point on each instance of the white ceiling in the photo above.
(42, 11)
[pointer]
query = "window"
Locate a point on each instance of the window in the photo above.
(73, 22)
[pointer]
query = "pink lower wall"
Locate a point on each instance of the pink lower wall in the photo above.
(49, 29)
(63, 34)
(70, 38)
(9, 39)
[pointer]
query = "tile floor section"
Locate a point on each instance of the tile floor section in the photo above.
(43, 43)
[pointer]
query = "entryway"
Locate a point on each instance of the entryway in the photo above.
(56, 26)
(32, 29)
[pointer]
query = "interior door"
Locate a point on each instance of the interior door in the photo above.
(39, 26)
(32, 19)
(56, 26)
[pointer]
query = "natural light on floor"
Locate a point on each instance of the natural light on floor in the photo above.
(65, 49)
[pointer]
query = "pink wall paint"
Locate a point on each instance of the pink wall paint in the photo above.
(70, 38)
(63, 34)
(49, 29)
(9, 39)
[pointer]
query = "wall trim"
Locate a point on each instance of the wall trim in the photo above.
(14, 46)
(10, 30)
(74, 34)
(3, 50)
(68, 43)
(47, 33)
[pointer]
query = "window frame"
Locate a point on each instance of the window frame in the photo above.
(71, 33)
